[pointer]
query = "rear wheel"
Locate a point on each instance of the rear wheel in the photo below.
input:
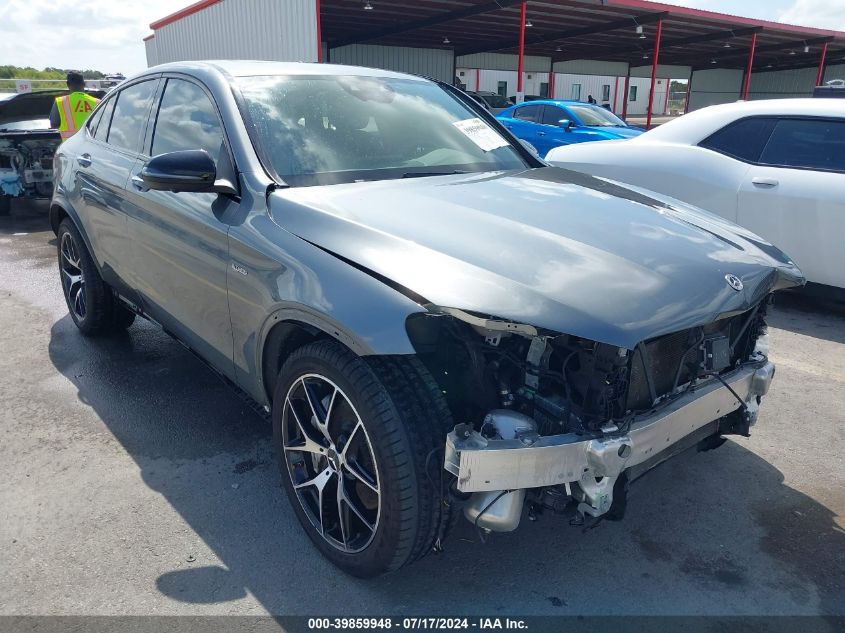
(353, 439)
(90, 300)
(5, 205)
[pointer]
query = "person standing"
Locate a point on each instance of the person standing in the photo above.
(70, 112)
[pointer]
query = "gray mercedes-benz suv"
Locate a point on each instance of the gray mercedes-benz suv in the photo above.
(436, 319)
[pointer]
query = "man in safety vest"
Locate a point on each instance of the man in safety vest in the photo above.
(70, 112)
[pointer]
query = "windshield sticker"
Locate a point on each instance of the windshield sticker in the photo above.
(481, 134)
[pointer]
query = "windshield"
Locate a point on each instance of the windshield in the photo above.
(595, 116)
(339, 128)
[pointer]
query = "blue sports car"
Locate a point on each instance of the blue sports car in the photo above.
(547, 124)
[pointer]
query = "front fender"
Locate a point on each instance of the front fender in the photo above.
(276, 277)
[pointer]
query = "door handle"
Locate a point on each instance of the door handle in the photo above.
(84, 160)
(541, 133)
(764, 182)
(139, 183)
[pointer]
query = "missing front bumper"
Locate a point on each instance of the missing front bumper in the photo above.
(532, 461)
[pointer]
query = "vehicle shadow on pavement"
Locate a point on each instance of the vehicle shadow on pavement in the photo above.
(716, 532)
(27, 216)
(810, 315)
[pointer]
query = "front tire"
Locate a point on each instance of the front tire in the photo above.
(353, 439)
(5, 204)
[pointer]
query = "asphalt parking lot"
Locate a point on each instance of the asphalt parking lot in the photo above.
(132, 481)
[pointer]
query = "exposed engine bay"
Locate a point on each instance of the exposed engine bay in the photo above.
(27, 146)
(562, 424)
(26, 164)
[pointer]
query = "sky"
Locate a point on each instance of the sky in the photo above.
(106, 35)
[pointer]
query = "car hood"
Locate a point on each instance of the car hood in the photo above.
(547, 247)
(27, 107)
(608, 133)
(26, 125)
(31, 106)
(619, 131)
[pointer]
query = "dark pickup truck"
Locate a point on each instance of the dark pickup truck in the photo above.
(27, 145)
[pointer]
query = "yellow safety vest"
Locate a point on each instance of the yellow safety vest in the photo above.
(74, 110)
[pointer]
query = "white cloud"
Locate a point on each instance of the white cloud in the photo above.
(822, 14)
(103, 35)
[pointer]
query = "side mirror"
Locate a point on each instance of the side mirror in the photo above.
(566, 124)
(187, 170)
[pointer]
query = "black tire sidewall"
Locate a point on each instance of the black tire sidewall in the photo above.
(98, 299)
(368, 396)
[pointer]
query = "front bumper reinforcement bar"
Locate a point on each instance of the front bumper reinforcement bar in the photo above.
(481, 464)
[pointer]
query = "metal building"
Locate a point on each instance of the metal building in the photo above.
(622, 52)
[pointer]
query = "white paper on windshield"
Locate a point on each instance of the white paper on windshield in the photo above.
(481, 134)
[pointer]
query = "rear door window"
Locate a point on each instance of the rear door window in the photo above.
(94, 121)
(553, 114)
(528, 113)
(101, 133)
(743, 139)
(187, 119)
(807, 144)
(130, 116)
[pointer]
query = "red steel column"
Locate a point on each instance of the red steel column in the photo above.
(625, 95)
(615, 93)
(319, 35)
(689, 92)
(522, 11)
(654, 72)
(820, 74)
(750, 65)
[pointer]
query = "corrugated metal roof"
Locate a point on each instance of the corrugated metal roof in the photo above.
(561, 29)
(581, 29)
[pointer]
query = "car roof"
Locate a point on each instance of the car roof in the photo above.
(560, 102)
(256, 68)
(694, 127)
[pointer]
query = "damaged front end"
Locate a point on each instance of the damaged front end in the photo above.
(563, 423)
(26, 164)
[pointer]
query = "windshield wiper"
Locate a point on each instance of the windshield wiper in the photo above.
(424, 174)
